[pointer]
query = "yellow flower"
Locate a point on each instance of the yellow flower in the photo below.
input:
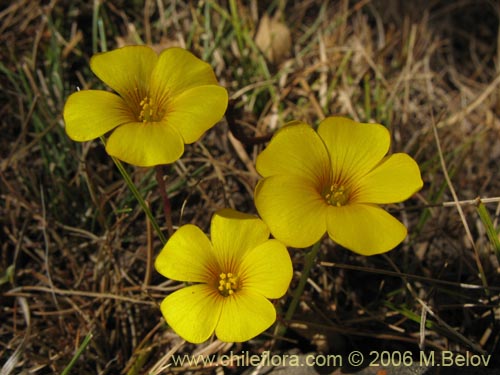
(164, 101)
(234, 274)
(332, 181)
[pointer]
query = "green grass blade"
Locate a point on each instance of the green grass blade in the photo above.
(78, 353)
(490, 229)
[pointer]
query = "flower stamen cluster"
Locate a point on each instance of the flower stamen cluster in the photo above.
(228, 284)
(337, 195)
(148, 110)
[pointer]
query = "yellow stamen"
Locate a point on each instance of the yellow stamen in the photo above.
(337, 195)
(228, 284)
(149, 110)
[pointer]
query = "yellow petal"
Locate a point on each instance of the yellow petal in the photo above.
(267, 269)
(233, 233)
(244, 315)
(91, 113)
(126, 70)
(364, 229)
(178, 70)
(145, 144)
(354, 148)
(187, 256)
(193, 312)
(292, 208)
(196, 110)
(297, 150)
(394, 180)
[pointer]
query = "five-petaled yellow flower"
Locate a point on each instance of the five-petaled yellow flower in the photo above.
(332, 181)
(164, 101)
(234, 275)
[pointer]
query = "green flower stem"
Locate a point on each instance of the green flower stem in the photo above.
(95, 18)
(309, 259)
(140, 199)
(138, 196)
(167, 208)
(308, 263)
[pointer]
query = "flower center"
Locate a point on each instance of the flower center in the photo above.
(337, 195)
(228, 284)
(149, 110)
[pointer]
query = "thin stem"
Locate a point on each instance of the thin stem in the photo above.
(459, 207)
(95, 17)
(149, 255)
(138, 197)
(78, 353)
(167, 208)
(309, 259)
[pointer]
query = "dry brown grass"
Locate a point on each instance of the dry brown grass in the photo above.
(76, 249)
